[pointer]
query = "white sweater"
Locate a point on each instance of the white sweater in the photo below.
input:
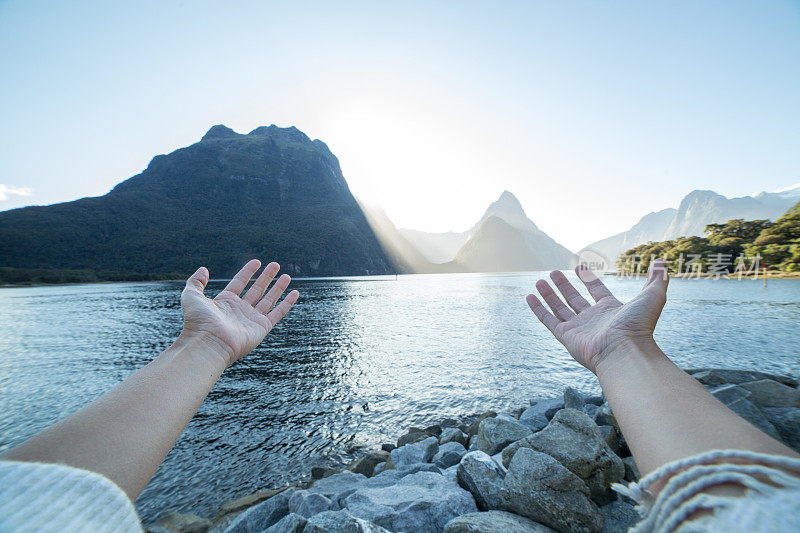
(49, 497)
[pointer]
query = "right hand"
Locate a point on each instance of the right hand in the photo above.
(592, 333)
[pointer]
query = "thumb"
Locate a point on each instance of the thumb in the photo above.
(657, 275)
(197, 281)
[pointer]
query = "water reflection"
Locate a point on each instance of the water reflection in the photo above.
(356, 361)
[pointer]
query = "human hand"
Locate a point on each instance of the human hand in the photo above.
(592, 333)
(232, 324)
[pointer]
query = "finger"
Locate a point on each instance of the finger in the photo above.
(198, 280)
(273, 294)
(596, 287)
(658, 274)
(261, 283)
(559, 308)
(541, 312)
(571, 294)
(282, 308)
(239, 281)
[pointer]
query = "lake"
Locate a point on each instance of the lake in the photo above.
(356, 362)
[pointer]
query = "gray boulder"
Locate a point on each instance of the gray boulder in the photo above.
(542, 489)
(573, 399)
(453, 435)
(338, 486)
(494, 522)
(631, 470)
(494, 434)
(577, 443)
(319, 472)
(307, 503)
(718, 376)
(769, 393)
(424, 501)
(263, 515)
(729, 393)
(533, 418)
(483, 478)
(605, 416)
(753, 414)
(380, 467)
(473, 428)
(591, 410)
(545, 406)
(340, 522)
(618, 516)
(181, 522)
(449, 454)
(291, 523)
(787, 421)
(413, 435)
(418, 452)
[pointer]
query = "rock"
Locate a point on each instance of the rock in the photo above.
(413, 435)
(366, 465)
(611, 437)
(753, 414)
(340, 522)
(591, 410)
(618, 516)
(265, 514)
(338, 486)
(434, 430)
(424, 501)
(448, 423)
(787, 421)
(545, 406)
(605, 417)
(631, 470)
(507, 416)
(595, 400)
(181, 523)
(291, 523)
(494, 522)
(542, 489)
(473, 428)
(307, 503)
(769, 393)
(572, 399)
(719, 376)
(449, 454)
(576, 442)
(534, 419)
(494, 434)
(729, 393)
(230, 510)
(319, 472)
(387, 447)
(380, 467)
(472, 443)
(509, 451)
(483, 478)
(453, 435)
(418, 452)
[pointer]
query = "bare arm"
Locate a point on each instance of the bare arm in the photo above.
(127, 432)
(664, 413)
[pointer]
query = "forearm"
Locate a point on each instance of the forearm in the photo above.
(666, 415)
(127, 432)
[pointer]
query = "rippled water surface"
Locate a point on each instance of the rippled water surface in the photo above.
(356, 362)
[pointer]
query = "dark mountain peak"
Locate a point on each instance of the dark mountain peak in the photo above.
(219, 131)
(290, 134)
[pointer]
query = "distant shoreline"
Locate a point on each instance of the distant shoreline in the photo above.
(771, 274)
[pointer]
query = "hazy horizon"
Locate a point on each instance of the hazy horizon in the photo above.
(606, 112)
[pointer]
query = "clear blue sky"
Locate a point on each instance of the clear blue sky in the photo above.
(592, 113)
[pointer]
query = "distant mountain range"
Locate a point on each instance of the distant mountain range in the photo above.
(276, 194)
(696, 210)
(272, 194)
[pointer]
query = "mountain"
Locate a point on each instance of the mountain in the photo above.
(436, 247)
(272, 193)
(696, 210)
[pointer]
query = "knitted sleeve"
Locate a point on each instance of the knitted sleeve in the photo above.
(771, 501)
(50, 497)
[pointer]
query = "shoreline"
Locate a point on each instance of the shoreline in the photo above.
(457, 476)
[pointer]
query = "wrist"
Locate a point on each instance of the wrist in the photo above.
(203, 349)
(629, 351)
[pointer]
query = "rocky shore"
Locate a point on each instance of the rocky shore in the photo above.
(547, 466)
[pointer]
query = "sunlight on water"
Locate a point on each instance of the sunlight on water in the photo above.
(356, 362)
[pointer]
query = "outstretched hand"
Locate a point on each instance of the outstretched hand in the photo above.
(592, 333)
(233, 323)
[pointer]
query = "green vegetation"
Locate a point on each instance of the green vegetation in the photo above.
(726, 248)
(39, 276)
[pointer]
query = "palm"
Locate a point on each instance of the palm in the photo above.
(237, 324)
(590, 331)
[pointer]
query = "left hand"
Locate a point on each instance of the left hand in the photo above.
(234, 324)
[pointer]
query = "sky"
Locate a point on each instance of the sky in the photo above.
(592, 113)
